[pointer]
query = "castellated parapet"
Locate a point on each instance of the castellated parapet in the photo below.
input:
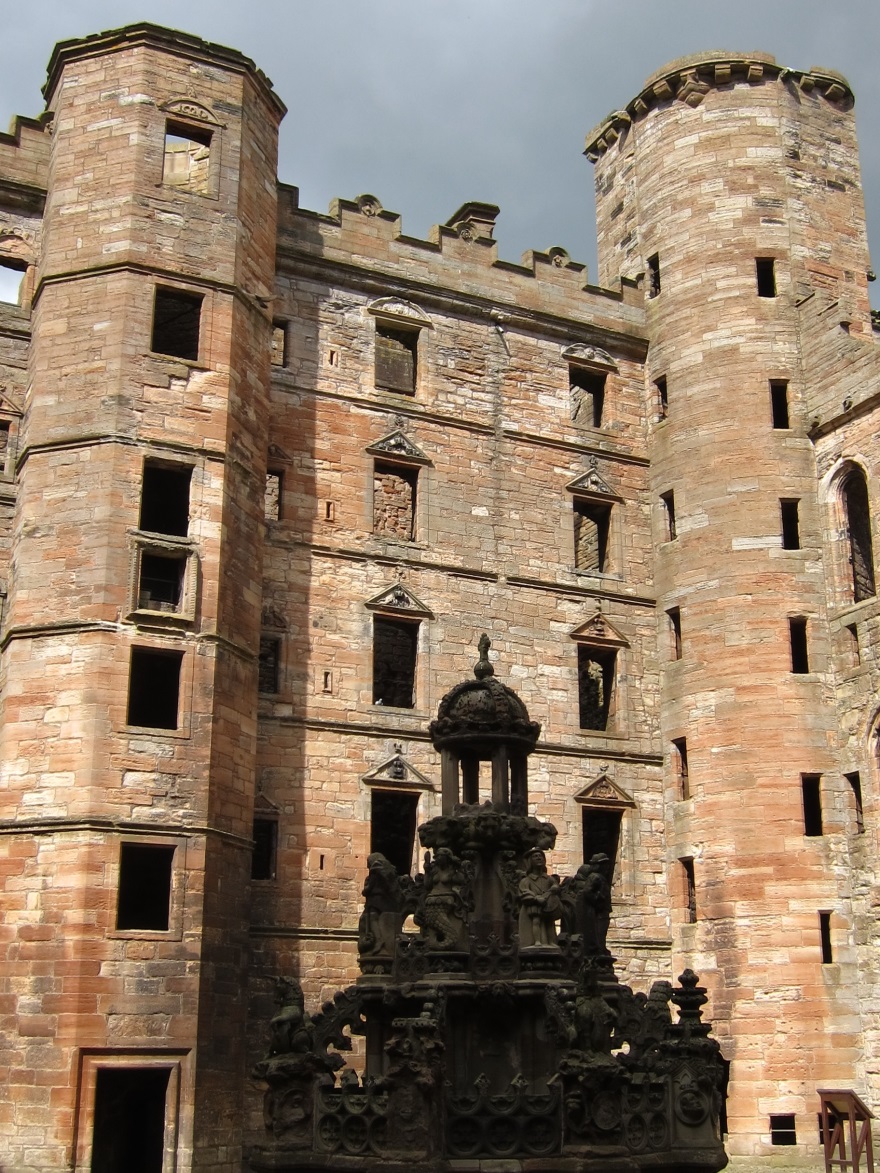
(265, 475)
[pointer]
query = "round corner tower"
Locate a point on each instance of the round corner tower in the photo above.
(730, 190)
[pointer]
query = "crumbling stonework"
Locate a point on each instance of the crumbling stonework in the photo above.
(598, 475)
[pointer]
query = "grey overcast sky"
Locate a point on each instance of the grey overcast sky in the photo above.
(428, 103)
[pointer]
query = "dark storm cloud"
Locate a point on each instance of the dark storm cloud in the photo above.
(428, 103)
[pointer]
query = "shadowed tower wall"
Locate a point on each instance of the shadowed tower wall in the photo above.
(129, 668)
(730, 187)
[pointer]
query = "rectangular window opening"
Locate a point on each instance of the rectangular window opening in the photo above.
(679, 745)
(165, 499)
(592, 527)
(765, 274)
(653, 270)
(690, 888)
(825, 938)
(395, 643)
(176, 323)
(668, 502)
(854, 779)
(144, 896)
(601, 834)
(161, 582)
(797, 629)
(782, 1129)
(393, 827)
(394, 501)
(269, 665)
(674, 617)
(396, 358)
(779, 403)
(587, 390)
(812, 801)
(852, 636)
(187, 160)
(791, 535)
(11, 279)
(5, 449)
(128, 1130)
(279, 344)
(154, 688)
(596, 670)
(272, 498)
(263, 858)
(662, 397)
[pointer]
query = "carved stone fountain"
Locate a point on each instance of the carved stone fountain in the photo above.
(489, 1034)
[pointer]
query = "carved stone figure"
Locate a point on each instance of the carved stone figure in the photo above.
(443, 908)
(292, 1030)
(539, 904)
(382, 917)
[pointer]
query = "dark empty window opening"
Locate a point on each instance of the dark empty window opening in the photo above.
(161, 582)
(855, 782)
(797, 631)
(782, 1129)
(395, 643)
(811, 792)
(187, 161)
(601, 830)
(165, 499)
(279, 344)
(596, 669)
(394, 501)
(825, 938)
(263, 858)
(791, 534)
(11, 278)
(176, 323)
(765, 274)
(668, 502)
(393, 827)
(396, 358)
(662, 397)
(269, 666)
(154, 688)
(690, 891)
(855, 650)
(653, 270)
(779, 403)
(4, 445)
(674, 617)
(272, 498)
(144, 898)
(128, 1131)
(858, 525)
(592, 525)
(587, 389)
(680, 752)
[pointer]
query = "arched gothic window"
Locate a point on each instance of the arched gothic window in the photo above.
(854, 494)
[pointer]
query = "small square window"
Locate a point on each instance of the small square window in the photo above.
(765, 275)
(144, 896)
(161, 582)
(187, 160)
(176, 323)
(154, 688)
(587, 391)
(396, 358)
(782, 1129)
(165, 499)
